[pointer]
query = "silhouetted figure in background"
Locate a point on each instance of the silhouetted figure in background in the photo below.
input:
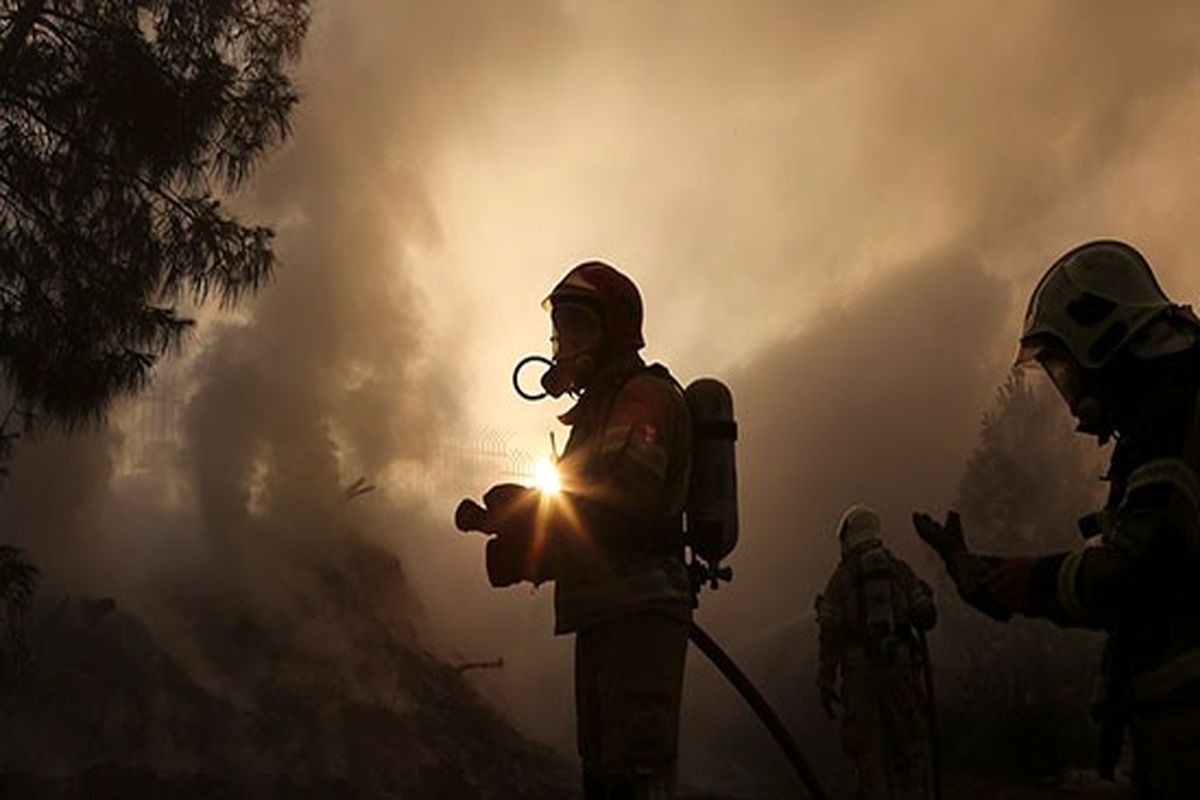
(872, 618)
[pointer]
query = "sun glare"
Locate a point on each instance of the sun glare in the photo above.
(545, 476)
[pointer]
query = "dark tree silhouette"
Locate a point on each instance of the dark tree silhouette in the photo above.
(1028, 481)
(18, 580)
(121, 123)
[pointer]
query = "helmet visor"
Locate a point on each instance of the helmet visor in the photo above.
(575, 328)
(1065, 373)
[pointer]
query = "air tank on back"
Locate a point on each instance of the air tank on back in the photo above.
(712, 505)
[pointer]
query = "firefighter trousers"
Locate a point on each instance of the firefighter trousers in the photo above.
(628, 691)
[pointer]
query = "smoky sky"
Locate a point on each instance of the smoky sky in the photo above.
(839, 209)
(875, 403)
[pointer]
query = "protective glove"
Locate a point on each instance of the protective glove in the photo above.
(1010, 582)
(513, 552)
(511, 508)
(511, 559)
(971, 573)
(947, 539)
(830, 700)
(507, 507)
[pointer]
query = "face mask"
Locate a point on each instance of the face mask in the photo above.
(1077, 391)
(560, 377)
(575, 329)
(558, 380)
(574, 340)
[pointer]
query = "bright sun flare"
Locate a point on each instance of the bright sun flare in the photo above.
(545, 476)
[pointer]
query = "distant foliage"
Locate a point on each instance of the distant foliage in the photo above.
(1018, 695)
(18, 582)
(121, 123)
(1031, 476)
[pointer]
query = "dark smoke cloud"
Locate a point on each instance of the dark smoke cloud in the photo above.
(875, 403)
(329, 374)
(335, 375)
(856, 197)
(268, 584)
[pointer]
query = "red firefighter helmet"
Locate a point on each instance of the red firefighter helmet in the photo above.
(610, 294)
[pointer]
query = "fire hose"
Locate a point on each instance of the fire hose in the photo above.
(470, 516)
(779, 732)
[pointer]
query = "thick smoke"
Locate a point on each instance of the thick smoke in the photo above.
(282, 630)
(839, 207)
(783, 155)
(330, 374)
(875, 403)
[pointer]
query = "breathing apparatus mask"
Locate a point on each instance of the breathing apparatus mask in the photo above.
(1102, 328)
(1097, 397)
(576, 341)
(1081, 389)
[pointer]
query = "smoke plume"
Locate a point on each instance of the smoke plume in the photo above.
(840, 209)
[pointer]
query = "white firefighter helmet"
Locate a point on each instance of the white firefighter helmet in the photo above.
(859, 525)
(1091, 302)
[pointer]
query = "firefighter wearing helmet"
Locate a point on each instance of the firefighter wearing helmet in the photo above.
(611, 538)
(872, 616)
(1126, 361)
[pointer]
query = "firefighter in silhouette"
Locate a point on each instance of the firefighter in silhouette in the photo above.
(1126, 361)
(872, 618)
(611, 538)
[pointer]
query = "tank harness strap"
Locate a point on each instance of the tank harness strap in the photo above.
(660, 371)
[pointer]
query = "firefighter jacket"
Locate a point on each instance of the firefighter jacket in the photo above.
(624, 475)
(1139, 577)
(870, 612)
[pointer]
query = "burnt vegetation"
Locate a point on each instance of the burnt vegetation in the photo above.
(330, 697)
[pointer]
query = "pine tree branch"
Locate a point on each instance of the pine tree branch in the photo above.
(65, 38)
(119, 121)
(158, 190)
(58, 13)
(15, 40)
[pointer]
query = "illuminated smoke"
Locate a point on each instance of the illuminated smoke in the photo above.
(839, 208)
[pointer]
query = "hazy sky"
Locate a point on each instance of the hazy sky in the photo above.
(838, 207)
(752, 164)
(835, 207)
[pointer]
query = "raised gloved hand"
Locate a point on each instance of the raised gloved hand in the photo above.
(972, 574)
(830, 700)
(946, 538)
